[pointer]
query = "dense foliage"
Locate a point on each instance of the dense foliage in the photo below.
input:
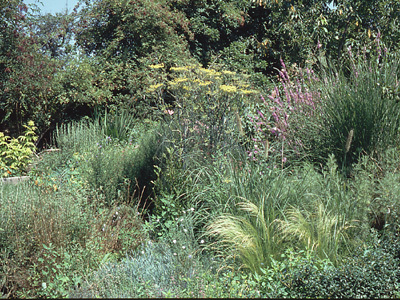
(192, 148)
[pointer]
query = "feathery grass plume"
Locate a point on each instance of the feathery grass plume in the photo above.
(349, 139)
(321, 231)
(249, 228)
(253, 236)
(239, 123)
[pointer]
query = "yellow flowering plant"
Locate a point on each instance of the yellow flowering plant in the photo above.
(206, 103)
(16, 153)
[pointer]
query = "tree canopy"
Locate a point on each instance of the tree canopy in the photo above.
(51, 65)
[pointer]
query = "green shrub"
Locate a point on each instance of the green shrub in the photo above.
(55, 228)
(16, 153)
(376, 182)
(110, 165)
(164, 270)
(77, 136)
(370, 273)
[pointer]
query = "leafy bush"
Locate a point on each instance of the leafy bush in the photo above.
(16, 153)
(154, 270)
(376, 182)
(369, 273)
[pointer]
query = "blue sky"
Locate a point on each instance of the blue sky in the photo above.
(53, 6)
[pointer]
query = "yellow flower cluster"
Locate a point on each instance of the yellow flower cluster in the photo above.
(159, 66)
(204, 83)
(246, 92)
(177, 81)
(155, 86)
(228, 88)
(186, 68)
(204, 77)
(210, 72)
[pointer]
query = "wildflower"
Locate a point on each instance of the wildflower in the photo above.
(229, 72)
(175, 254)
(183, 247)
(228, 88)
(192, 208)
(246, 92)
(204, 83)
(189, 256)
(179, 68)
(185, 230)
(179, 80)
(155, 86)
(202, 242)
(158, 66)
(174, 241)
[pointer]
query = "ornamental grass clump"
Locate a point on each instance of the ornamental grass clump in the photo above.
(248, 226)
(328, 218)
(263, 211)
(362, 100)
